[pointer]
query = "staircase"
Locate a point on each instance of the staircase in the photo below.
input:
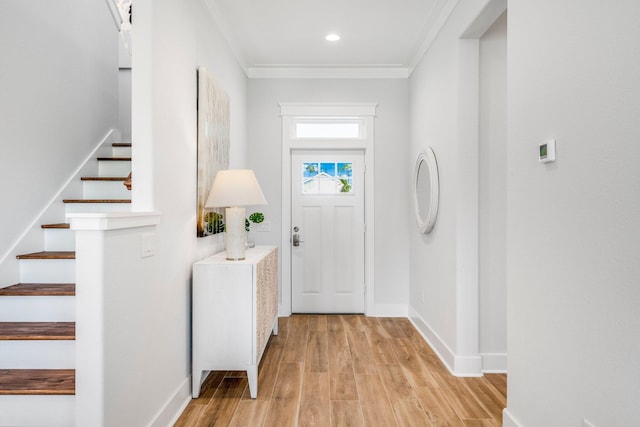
(37, 316)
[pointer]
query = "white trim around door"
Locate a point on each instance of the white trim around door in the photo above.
(293, 113)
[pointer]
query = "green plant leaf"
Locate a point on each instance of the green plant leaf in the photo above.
(256, 217)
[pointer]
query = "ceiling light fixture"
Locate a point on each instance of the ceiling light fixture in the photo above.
(332, 37)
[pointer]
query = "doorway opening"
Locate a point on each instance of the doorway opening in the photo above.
(327, 207)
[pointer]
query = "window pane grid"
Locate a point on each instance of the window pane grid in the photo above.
(327, 177)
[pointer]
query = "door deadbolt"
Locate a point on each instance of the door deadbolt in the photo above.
(295, 238)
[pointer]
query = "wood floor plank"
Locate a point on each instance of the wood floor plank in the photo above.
(314, 402)
(190, 415)
(249, 413)
(396, 383)
(318, 323)
(434, 403)
(317, 359)
(419, 343)
(416, 390)
(209, 387)
(283, 410)
(490, 398)
(463, 401)
(407, 327)
(376, 408)
(361, 353)
(407, 408)
(340, 361)
(283, 329)
(391, 326)
(482, 423)
(499, 381)
(224, 403)
(334, 324)
(295, 349)
(346, 414)
(343, 386)
(353, 322)
(417, 371)
(342, 381)
(380, 344)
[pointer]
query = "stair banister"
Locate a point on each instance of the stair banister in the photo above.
(120, 12)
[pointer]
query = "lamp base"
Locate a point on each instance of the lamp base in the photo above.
(236, 238)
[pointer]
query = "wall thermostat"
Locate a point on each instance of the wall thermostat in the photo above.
(547, 151)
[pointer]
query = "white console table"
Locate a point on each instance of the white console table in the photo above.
(234, 310)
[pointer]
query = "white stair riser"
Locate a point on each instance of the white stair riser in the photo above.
(47, 270)
(121, 151)
(105, 190)
(59, 239)
(37, 309)
(41, 411)
(38, 354)
(97, 207)
(114, 168)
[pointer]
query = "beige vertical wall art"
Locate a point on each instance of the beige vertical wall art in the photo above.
(213, 148)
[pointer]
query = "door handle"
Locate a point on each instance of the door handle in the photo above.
(295, 238)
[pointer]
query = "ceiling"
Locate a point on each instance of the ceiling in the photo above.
(278, 38)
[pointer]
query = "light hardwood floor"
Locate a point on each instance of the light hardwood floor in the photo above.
(348, 370)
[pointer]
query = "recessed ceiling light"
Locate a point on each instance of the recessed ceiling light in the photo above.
(332, 37)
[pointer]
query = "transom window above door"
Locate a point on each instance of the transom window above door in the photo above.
(323, 128)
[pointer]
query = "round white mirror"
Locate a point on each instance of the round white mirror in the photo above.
(426, 190)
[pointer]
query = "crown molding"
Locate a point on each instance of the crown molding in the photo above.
(327, 73)
(227, 34)
(434, 25)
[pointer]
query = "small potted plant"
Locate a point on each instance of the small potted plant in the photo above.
(255, 218)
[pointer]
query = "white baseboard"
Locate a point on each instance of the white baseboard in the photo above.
(460, 366)
(508, 420)
(388, 310)
(378, 310)
(494, 363)
(438, 345)
(171, 411)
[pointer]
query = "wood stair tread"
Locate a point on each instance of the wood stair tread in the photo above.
(49, 255)
(103, 178)
(37, 381)
(61, 225)
(96, 201)
(114, 159)
(121, 144)
(39, 289)
(37, 331)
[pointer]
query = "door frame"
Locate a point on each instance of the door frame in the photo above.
(290, 113)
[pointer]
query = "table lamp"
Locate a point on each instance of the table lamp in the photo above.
(233, 189)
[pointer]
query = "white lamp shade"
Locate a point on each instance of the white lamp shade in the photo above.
(235, 187)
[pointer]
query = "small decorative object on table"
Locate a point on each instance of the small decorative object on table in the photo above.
(256, 218)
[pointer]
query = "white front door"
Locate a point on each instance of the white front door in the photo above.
(327, 228)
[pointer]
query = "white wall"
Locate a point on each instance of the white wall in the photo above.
(59, 87)
(391, 170)
(444, 103)
(492, 197)
(572, 245)
(182, 36)
(124, 103)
